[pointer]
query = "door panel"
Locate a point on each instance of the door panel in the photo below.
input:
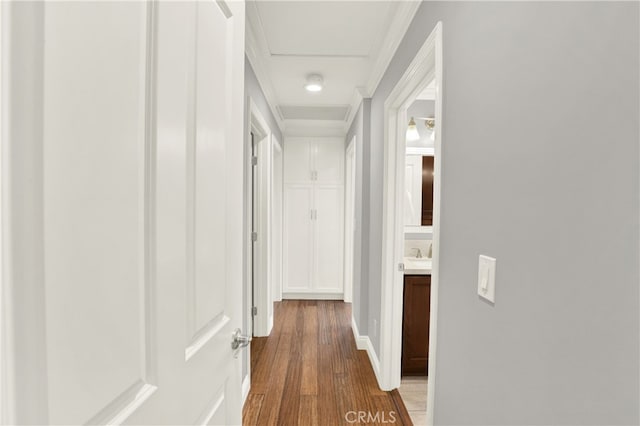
(298, 237)
(297, 159)
(329, 161)
(329, 245)
(95, 208)
(207, 280)
(142, 190)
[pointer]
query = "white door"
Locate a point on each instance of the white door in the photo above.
(328, 160)
(131, 320)
(329, 239)
(298, 237)
(297, 160)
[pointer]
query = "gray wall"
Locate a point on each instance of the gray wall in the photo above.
(540, 170)
(253, 90)
(360, 128)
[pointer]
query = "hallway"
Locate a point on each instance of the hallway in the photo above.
(308, 371)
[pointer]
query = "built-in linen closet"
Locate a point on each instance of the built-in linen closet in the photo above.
(313, 218)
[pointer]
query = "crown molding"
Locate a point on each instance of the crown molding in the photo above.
(310, 128)
(356, 100)
(256, 51)
(401, 21)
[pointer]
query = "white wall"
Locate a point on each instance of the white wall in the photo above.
(540, 170)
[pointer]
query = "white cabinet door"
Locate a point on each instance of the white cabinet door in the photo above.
(298, 237)
(128, 315)
(328, 161)
(297, 161)
(329, 241)
(413, 191)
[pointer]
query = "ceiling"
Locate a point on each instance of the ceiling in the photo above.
(350, 43)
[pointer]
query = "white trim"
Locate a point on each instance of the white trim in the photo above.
(349, 219)
(363, 343)
(426, 66)
(258, 53)
(312, 295)
(398, 28)
(277, 252)
(315, 128)
(255, 51)
(427, 151)
(401, 21)
(356, 100)
(246, 387)
(3, 382)
(263, 321)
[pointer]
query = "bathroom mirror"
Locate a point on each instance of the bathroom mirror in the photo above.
(418, 208)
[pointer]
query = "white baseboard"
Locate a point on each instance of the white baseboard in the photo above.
(312, 296)
(246, 386)
(363, 343)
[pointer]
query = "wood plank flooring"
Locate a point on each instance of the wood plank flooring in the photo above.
(309, 372)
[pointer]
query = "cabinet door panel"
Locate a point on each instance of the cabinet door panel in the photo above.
(298, 237)
(415, 327)
(328, 156)
(329, 238)
(297, 160)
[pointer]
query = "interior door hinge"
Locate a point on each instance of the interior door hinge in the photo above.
(254, 161)
(254, 311)
(254, 236)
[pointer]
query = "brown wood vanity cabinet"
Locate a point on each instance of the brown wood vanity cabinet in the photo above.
(415, 325)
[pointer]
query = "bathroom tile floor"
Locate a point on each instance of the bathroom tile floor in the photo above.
(413, 391)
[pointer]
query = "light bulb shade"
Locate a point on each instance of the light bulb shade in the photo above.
(314, 83)
(412, 131)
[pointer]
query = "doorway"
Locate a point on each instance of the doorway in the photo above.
(259, 225)
(426, 67)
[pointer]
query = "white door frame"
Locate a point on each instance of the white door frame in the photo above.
(261, 283)
(277, 186)
(349, 219)
(426, 66)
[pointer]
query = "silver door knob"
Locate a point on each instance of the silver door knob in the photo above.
(239, 340)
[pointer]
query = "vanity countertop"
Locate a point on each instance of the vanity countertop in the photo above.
(417, 266)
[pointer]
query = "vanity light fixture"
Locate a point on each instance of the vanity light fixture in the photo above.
(412, 131)
(431, 125)
(314, 83)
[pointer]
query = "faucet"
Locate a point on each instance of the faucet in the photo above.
(418, 254)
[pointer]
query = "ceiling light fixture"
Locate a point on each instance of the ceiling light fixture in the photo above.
(314, 83)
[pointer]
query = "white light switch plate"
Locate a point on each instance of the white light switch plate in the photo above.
(487, 278)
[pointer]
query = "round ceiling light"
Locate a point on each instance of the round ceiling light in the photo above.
(314, 83)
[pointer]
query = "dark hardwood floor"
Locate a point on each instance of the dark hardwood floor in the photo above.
(309, 372)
